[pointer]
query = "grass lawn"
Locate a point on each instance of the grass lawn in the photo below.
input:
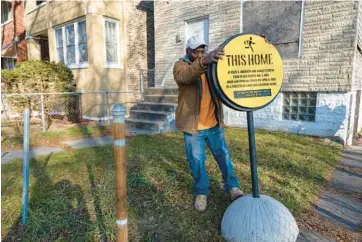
(72, 193)
(12, 138)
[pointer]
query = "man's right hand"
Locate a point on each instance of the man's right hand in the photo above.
(213, 56)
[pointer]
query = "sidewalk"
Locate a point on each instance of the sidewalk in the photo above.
(7, 157)
(340, 206)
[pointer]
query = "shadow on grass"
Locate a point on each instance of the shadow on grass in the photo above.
(168, 207)
(159, 188)
(56, 211)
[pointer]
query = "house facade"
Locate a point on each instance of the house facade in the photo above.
(104, 43)
(320, 43)
(13, 44)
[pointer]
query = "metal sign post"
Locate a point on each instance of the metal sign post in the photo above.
(26, 165)
(249, 78)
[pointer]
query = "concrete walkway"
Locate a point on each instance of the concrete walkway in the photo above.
(9, 156)
(343, 206)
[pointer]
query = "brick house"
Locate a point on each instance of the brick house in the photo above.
(320, 43)
(104, 43)
(13, 44)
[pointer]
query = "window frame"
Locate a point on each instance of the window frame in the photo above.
(114, 65)
(9, 58)
(39, 2)
(10, 13)
(301, 27)
(77, 64)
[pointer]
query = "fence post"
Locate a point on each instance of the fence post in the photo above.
(119, 137)
(42, 111)
(107, 103)
(26, 165)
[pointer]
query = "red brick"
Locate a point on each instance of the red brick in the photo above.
(8, 31)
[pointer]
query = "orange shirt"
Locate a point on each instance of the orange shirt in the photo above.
(207, 117)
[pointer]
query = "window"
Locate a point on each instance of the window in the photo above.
(199, 27)
(6, 13)
(8, 63)
(39, 2)
(71, 44)
(112, 46)
(44, 49)
(279, 21)
(299, 106)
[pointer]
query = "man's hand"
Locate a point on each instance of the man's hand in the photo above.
(213, 56)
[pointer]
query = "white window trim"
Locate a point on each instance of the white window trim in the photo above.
(186, 24)
(113, 65)
(7, 22)
(76, 65)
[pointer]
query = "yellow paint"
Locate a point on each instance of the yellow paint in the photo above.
(251, 73)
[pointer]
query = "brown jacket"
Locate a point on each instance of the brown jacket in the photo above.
(188, 78)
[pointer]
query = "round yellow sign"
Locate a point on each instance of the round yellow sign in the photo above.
(250, 75)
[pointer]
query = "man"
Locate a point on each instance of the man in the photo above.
(200, 116)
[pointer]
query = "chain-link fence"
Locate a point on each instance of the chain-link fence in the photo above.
(59, 110)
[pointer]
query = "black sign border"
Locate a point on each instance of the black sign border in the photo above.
(212, 72)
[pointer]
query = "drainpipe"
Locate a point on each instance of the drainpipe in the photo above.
(241, 15)
(15, 38)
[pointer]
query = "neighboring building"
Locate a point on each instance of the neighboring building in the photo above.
(105, 43)
(320, 43)
(13, 44)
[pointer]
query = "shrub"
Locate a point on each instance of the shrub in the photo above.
(37, 76)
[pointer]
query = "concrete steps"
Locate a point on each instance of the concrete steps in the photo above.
(156, 114)
(161, 98)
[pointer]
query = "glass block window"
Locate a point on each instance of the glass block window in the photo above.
(71, 44)
(299, 106)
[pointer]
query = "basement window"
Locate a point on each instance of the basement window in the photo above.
(299, 106)
(8, 63)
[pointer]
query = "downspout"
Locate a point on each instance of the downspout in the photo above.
(301, 26)
(241, 15)
(14, 34)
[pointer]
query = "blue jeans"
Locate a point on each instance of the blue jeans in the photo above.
(196, 156)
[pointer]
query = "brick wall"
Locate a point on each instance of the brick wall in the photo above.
(170, 18)
(8, 33)
(359, 25)
(140, 27)
(20, 31)
(357, 71)
(328, 39)
(332, 112)
(18, 24)
(327, 50)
